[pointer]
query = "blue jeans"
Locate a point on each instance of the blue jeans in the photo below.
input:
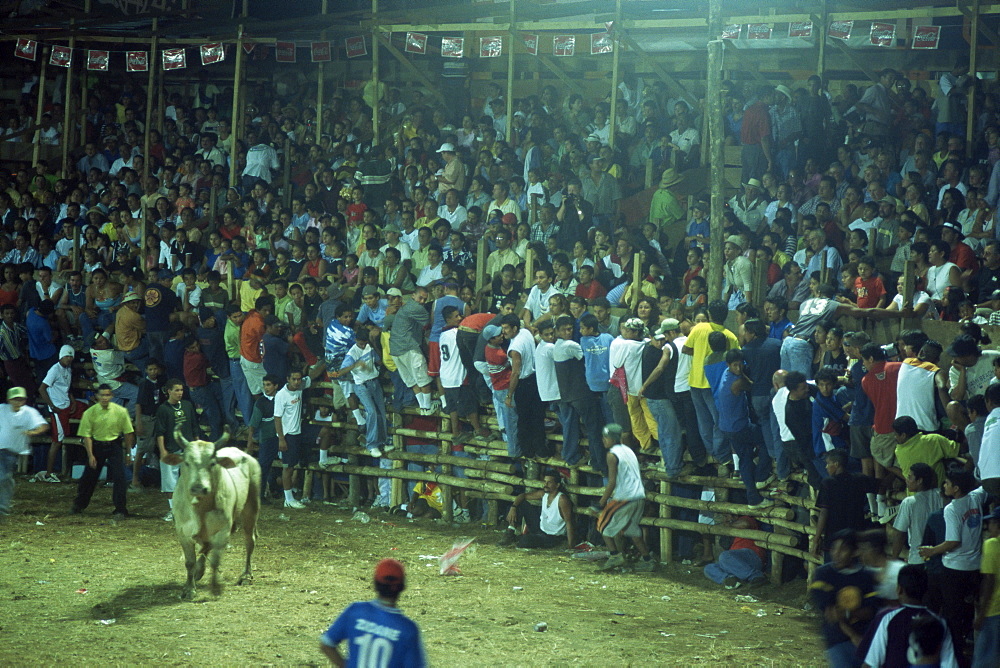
(587, 410)
(987, 654)
(742, 564)
(241, 390)
(8, 462)
(229, 402)
(796, 355)
(769, 430)
(669, 430)
(708, 421)
(372, 398)
(156, 341)
(90, 325)
(843, 655)
(747, 446)
(508, 418)
(139, 356)
(207, 396)
(402, 395)
(570, 422)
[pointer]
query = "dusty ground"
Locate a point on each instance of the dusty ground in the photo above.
(310, 563)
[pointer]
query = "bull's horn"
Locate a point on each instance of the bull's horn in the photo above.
(179, 437)
(223, 440)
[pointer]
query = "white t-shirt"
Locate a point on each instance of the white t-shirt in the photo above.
(288, 407)
(912, 519)
(963, 520)
(194, 297)
(887, 578)
(778, 404)
(977, 376)
(538, 302)
(452, 369)
(368, 370)
(682, 383)
(524, 344)
(57, 381)
(13, 426)
(628, 354)
(629, 481)
(919, 297)
(989, 451)
(545, 372)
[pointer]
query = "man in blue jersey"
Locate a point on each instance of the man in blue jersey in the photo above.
(377, 632)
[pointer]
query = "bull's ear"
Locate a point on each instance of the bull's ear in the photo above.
(179, 437)
(172, 458)
(223, 440)
(227, 462)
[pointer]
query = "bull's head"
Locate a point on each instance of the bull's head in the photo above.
(198, 462)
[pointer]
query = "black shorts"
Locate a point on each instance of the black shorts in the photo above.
(461, 400)
(296, 452)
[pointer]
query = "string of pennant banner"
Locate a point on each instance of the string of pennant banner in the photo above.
(881, 34)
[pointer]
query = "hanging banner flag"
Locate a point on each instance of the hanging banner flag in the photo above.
(800, 29)
(452, 47)
(137, 61)
(531, 44)
(248, 47)
(416, 42)
(491, 47)
(356, 46)
(212, 53)
(284, 52)
(926, 37)
(564, 45)
(758, 31)
(174, 59)
(26, 48)
(731, 31)
(601, 42)
(883, 34)
(840, 29)
(97, 60)
(320, 52)
(61, 56)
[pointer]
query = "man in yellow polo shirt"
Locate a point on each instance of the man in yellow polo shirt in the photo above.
(914, 446)
(108, 435)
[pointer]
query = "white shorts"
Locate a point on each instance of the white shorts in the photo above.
(412, 367)
(168, 477)
(254, 373)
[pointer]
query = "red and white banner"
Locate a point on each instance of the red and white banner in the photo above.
(804, 29)
(320, 52)
(601, 42)
(26, 48)
(356, 46)
(731, 31)
(284, 52)
(137, 61)
(174, 59)
(926, 37)
(491, 47)
(452, 47)
(840, 29)
(212, 53)
(61, 56)
(416, 42)
(531, 44)
(564, 45)
(97, 60)
(883, 34)
(758, 31)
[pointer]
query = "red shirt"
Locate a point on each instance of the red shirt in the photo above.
(195, 369)
(880, 386)
(476, 321)
(591, 291)
(251, 335)
(496, 358)
(355, 213)
(756, 124)
(963, 256)
(746, 543)
(869, 292)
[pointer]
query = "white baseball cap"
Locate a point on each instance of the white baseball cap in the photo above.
(446, 147)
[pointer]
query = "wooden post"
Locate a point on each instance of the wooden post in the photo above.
(821, 29)
(150, 82)
(666, 534)
(376, 74)
(230, 283)
(319, 89)
(510, 75)
(68, 105)
(481, 253)
(237, 112)
(529, 268)
(717, 171)
(76, 248)
(286, 173)
(447, 494)
(83, 93)
(970, 123)
(615, 73)
(37, 148)
(213, 207)
(398, 489)
(353, 484)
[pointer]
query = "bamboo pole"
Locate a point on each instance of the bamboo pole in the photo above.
(447, 493)
(150, 84)
(442, 479)
(321, 80)
(821, 30)
(510, 74)
(763, 538)
(615, 74)
(235, 129)
(970, 123)
(354, 480)
(529, 268)
(666, 533)
(376, 74)
(76, 248)
(397, 488)
(68, 106)
(717, 171)
(464, 462)
(40, 105)
(774, 512)
(481, 253)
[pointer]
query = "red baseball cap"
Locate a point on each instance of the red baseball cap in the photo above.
(390, 571)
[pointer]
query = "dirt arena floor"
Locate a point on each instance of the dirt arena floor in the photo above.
(82, 590)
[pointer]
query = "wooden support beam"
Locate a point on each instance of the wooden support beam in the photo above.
(556, 70)
(320, 81)
(861, 67)
(713, 100)
(64, 138)
(237, 114)
(970, 123)
(615, 77)
(376, 73)
(40, 105)
(150, 88)
(685, 94)
(412, 69)
(985, 30)
(509, 110)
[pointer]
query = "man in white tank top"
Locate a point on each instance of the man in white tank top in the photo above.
(622, 503)
(549, 524)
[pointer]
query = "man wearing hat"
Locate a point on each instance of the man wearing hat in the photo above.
(130, 331)
(750, 205)
(665, 210)
(738, 272)
(755, 136)
(786, 129)
(452, 176)
(55, 393)
(377, 632)
(17, 423)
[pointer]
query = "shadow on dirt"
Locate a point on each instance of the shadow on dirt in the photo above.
(130, 603)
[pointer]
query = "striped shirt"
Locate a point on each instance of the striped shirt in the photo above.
(888, 638)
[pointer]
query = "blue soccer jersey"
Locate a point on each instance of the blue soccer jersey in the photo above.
(378, 636)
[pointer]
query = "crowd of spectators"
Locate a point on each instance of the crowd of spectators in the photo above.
(185, 294)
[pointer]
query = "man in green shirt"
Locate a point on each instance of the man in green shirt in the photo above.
(913, 446)
(108, 435)
(665, 210)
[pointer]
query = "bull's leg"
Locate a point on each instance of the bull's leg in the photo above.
(214, 558)
(189, 562)
(199, 567)
(249, 533)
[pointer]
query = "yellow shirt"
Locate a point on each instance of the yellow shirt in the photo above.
(930, 449)
(105, 424)
(698, 341)
(990, 565)
(248, 296)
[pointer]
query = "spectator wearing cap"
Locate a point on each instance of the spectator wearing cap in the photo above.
(786, 130)
(161, 307)
(452, 175)
(738, 272)
(961, 254)
(373, 308)
(54, 392)
(750, 205)
(625, 364)
(399, 637)
(17, 423)
(603, 192)
(130, 331)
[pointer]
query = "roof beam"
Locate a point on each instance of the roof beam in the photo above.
(411, 68)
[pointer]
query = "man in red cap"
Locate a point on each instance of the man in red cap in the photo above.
(378, 633)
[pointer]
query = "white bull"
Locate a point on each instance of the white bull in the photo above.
(218, 487)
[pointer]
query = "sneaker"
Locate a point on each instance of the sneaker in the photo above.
(52, 477)
(764, 503)
(889, 515)
(767, 483)
(119, 515)
(645, 566)
(169, 517)
(614, 561)
(375, 452)
(435, 407)
(758, 581)
(38, 477)
(293, 504)
(132, 489)
(462, 517)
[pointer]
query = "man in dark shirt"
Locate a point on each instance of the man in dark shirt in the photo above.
(212, 342)
(842, 500)
(798, 419)
(762, 355)
(988, 279)
(161, 304)
(148, 400)
(175, 414)
(275, 348)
